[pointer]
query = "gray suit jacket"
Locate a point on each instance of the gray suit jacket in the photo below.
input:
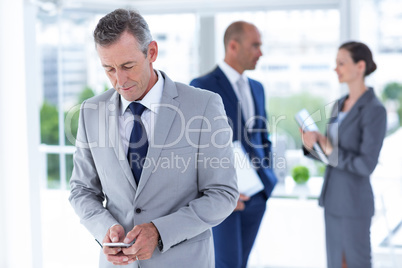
(188, 183)
(347, 190)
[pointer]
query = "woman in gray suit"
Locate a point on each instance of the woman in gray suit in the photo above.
(352, 144)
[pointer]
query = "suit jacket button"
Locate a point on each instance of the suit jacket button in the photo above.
(138, 210)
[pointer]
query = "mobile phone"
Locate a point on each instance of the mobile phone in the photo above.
(118, 245)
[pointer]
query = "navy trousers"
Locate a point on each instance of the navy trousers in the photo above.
(235, 236)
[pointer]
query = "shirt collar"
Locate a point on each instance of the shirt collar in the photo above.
(232, 75)
(150, 99)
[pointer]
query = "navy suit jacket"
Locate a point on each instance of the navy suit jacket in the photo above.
(256, 142)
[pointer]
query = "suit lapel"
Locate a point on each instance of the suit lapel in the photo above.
(112, 124)
(168, 110)
(347, 122)
(228, 91)
(230, 99)
(355, 110)
(254, 94)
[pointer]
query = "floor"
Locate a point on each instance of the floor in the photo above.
(291, 234)
(292, 231)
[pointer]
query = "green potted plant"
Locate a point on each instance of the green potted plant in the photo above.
(300, 174)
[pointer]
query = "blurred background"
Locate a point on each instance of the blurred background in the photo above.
(48, 66)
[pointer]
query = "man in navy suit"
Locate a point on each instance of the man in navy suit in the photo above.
(244, 103)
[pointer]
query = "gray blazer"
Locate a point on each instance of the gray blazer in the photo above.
(347, 190)
(187, 186)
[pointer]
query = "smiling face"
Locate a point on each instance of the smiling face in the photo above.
(347, 70)
(128, 69)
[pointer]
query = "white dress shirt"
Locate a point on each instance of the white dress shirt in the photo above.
(246, 98)
(151, 101)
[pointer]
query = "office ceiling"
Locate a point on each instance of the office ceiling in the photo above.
(177, 6)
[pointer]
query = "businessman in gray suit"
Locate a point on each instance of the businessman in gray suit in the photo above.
(153, 162)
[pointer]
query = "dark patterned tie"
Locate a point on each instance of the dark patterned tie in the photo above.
(138, 147)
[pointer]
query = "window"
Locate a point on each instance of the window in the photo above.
(379, 27)
(176, 36)
(380, 22)
(72, 73)
(299, 49)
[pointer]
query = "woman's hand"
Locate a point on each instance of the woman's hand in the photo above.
(326, 146)
(309, 138)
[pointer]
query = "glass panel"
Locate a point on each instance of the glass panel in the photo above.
(176, 37)
(72, 73)
(49, 123)
(67, 51)
(296, 69)
(69, 169)
(71, 65)
(299, 48)
(53, 171)
(47, 37)
(380, 24)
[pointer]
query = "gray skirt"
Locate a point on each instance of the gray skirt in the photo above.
(349, 237)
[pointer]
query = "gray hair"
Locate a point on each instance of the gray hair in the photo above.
(112, 25)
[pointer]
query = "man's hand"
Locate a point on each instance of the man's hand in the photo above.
(240, 203)
(114, 255)
(146, 240)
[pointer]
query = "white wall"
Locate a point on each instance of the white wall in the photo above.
(16, 194)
